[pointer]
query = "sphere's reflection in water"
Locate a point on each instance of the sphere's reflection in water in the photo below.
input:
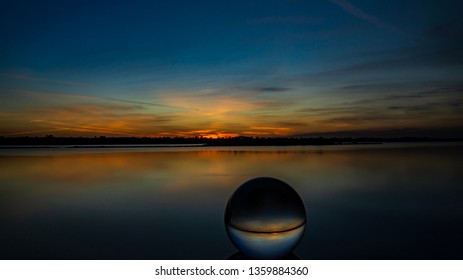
(265, 218)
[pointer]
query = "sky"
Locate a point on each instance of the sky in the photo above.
(227, 68)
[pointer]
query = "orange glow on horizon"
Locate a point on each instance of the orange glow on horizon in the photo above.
(195, 114)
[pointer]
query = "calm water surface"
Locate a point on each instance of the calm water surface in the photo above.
(389, 201)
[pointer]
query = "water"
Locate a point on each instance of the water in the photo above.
(394, 201)
(265, 218)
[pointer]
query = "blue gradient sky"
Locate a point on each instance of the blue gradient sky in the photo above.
(223, 68)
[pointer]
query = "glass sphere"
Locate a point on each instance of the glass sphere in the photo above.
(265, 218)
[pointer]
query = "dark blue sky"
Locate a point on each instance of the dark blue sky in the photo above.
(271, 68)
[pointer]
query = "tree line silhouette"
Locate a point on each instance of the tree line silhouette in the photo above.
(225, 141)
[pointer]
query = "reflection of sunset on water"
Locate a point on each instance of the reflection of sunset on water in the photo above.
(267, 245)
(147, 197)
(275, 225)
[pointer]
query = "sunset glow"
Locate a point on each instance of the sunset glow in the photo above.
(271, 69)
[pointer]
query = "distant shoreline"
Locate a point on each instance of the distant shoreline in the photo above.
(160, 142)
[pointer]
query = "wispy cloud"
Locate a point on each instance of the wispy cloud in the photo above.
(33, 78)
(357, 12)
(145, 103)
(29, 132)
(88, 118)
(41, 79)
(103, 98)
(260, 89)
(219, 114)
(272, 89)
(394, 69)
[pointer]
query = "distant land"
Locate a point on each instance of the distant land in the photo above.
(202, 141)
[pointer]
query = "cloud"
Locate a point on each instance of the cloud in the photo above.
(224, 111)
(409, 89)
(415, 108)
(379, 107)
(353, 10)
(272, 89)
(238, 90)
(32, 78)
(348, 7)
(406, 92)
(102, 98)
(257, 89)
(36, 113)
(40, 79)
(452, 131)
(437, 66)
(144, 103)
(100, 119)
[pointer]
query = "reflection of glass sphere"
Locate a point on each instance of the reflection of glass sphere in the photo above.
(265, 218)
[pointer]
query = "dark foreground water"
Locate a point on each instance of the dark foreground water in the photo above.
(394, 201)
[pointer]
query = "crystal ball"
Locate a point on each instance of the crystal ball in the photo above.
(265, 218)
